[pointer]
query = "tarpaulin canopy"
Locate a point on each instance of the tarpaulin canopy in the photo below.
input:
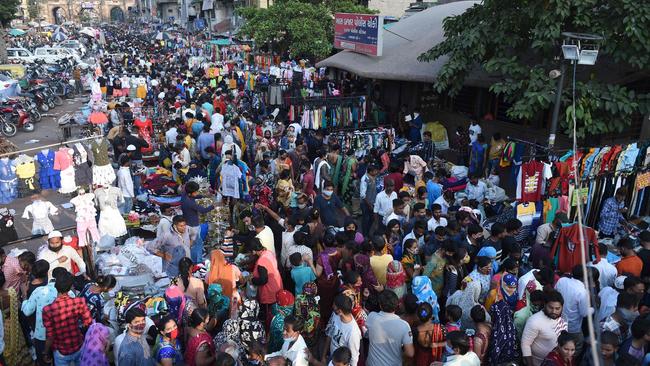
(403, 43)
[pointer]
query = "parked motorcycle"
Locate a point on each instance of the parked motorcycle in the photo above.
(16, 115)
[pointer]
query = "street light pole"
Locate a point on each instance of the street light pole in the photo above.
(556, 106)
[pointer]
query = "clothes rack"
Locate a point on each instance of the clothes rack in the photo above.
(50, 145)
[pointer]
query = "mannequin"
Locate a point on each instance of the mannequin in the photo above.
(41, 210)
(110, 221)
(103, 173)
(84, 205)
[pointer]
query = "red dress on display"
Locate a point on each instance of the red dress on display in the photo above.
(145, 130)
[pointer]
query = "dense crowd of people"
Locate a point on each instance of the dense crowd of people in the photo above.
(329, 258)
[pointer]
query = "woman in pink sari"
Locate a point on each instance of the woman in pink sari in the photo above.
(200, 350)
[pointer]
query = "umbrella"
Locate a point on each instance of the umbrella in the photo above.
(59, 36)
(98, 118)
(163, 36)
(88, 31)
(16, 32)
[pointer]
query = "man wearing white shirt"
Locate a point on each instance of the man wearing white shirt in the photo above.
(342, 330)
(264, 233)
(125, 183)
(397, 213)
(607, 271)
(384, 201)
(576, 303)
(171, 134)
(476, 189)
(59, 255)
(474, 131)
(445, 201)
(216, 123)
(436, 218)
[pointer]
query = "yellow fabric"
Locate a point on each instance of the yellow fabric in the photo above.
(232, 83)
(438, 134)
(141, 92)
(16, 352)
(526, 210)
(496, 148)
(26, 170)
(545, 209)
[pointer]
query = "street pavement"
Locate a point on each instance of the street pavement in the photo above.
(47, 132)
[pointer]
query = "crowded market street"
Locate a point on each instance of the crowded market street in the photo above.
(175, 195)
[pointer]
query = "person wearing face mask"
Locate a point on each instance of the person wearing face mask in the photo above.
(62, 320)
(59, 255)
(330, 206)
(459, 352)
(134, 350)
(168, 348)
(621, 321)
(294, 348)
(411, 260)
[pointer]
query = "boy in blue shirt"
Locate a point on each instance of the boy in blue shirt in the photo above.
(300, 273)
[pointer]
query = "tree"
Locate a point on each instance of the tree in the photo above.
(8, 10)
(520, 42)
(34, 9)
(304, 28)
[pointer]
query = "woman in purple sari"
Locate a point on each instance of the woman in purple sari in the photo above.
(96, 343)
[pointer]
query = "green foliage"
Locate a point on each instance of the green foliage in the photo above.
(519, 41)
(303, 27)
(33, 9)
(8, 9)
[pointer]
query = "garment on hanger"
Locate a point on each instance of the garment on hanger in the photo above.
(566, 251)
(48, 177)
(103, 173)
(7, 227)
(25, 171)
(84, 205)
(8, 181)
(63, 161)
(110, 221)
(41, 211)
(83, 173)
(230, 176)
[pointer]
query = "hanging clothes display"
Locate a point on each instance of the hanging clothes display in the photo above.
(362, 141)
(8, 180)
(63, 162)
(230, 176)
(40, 211)
(566, 250)
(103, 173)
(84, 205)
(25, 171)
(83, 173)
(110, 221)
(145, 131)
(48, 177)
(328, 112)
(7, 227)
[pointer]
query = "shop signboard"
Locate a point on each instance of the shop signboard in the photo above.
(360, 33)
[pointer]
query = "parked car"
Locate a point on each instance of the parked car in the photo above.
(75, 45)
(20, 55)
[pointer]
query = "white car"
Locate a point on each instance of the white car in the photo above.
(53, 54)
(74, 45)
(21, 55)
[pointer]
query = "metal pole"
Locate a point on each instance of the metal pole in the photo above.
(556, 107)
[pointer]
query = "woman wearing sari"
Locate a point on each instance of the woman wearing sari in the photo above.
(394, 237)
(180, 307)
(96, 344)
(503, 348)
(280, 310)
(347, 185)
(482, 274)
(223, 273)
(423, 290)
(509, 265)
(429, 337)
(563, 354)
(396, 279)
(507, 291)
(411, 260)
(466, 298)
(199, 350)
(167, 350)
(352, 287)
(362, 266)
(307, 311)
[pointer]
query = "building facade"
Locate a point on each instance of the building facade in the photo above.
(60, 11)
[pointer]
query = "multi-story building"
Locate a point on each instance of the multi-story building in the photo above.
(59, 11)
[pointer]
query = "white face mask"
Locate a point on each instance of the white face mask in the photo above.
(328, 193)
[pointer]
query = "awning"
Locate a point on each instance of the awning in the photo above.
(403, 43)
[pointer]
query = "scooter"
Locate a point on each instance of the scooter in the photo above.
(17, 116)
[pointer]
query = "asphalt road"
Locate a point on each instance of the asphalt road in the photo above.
(47, 132)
